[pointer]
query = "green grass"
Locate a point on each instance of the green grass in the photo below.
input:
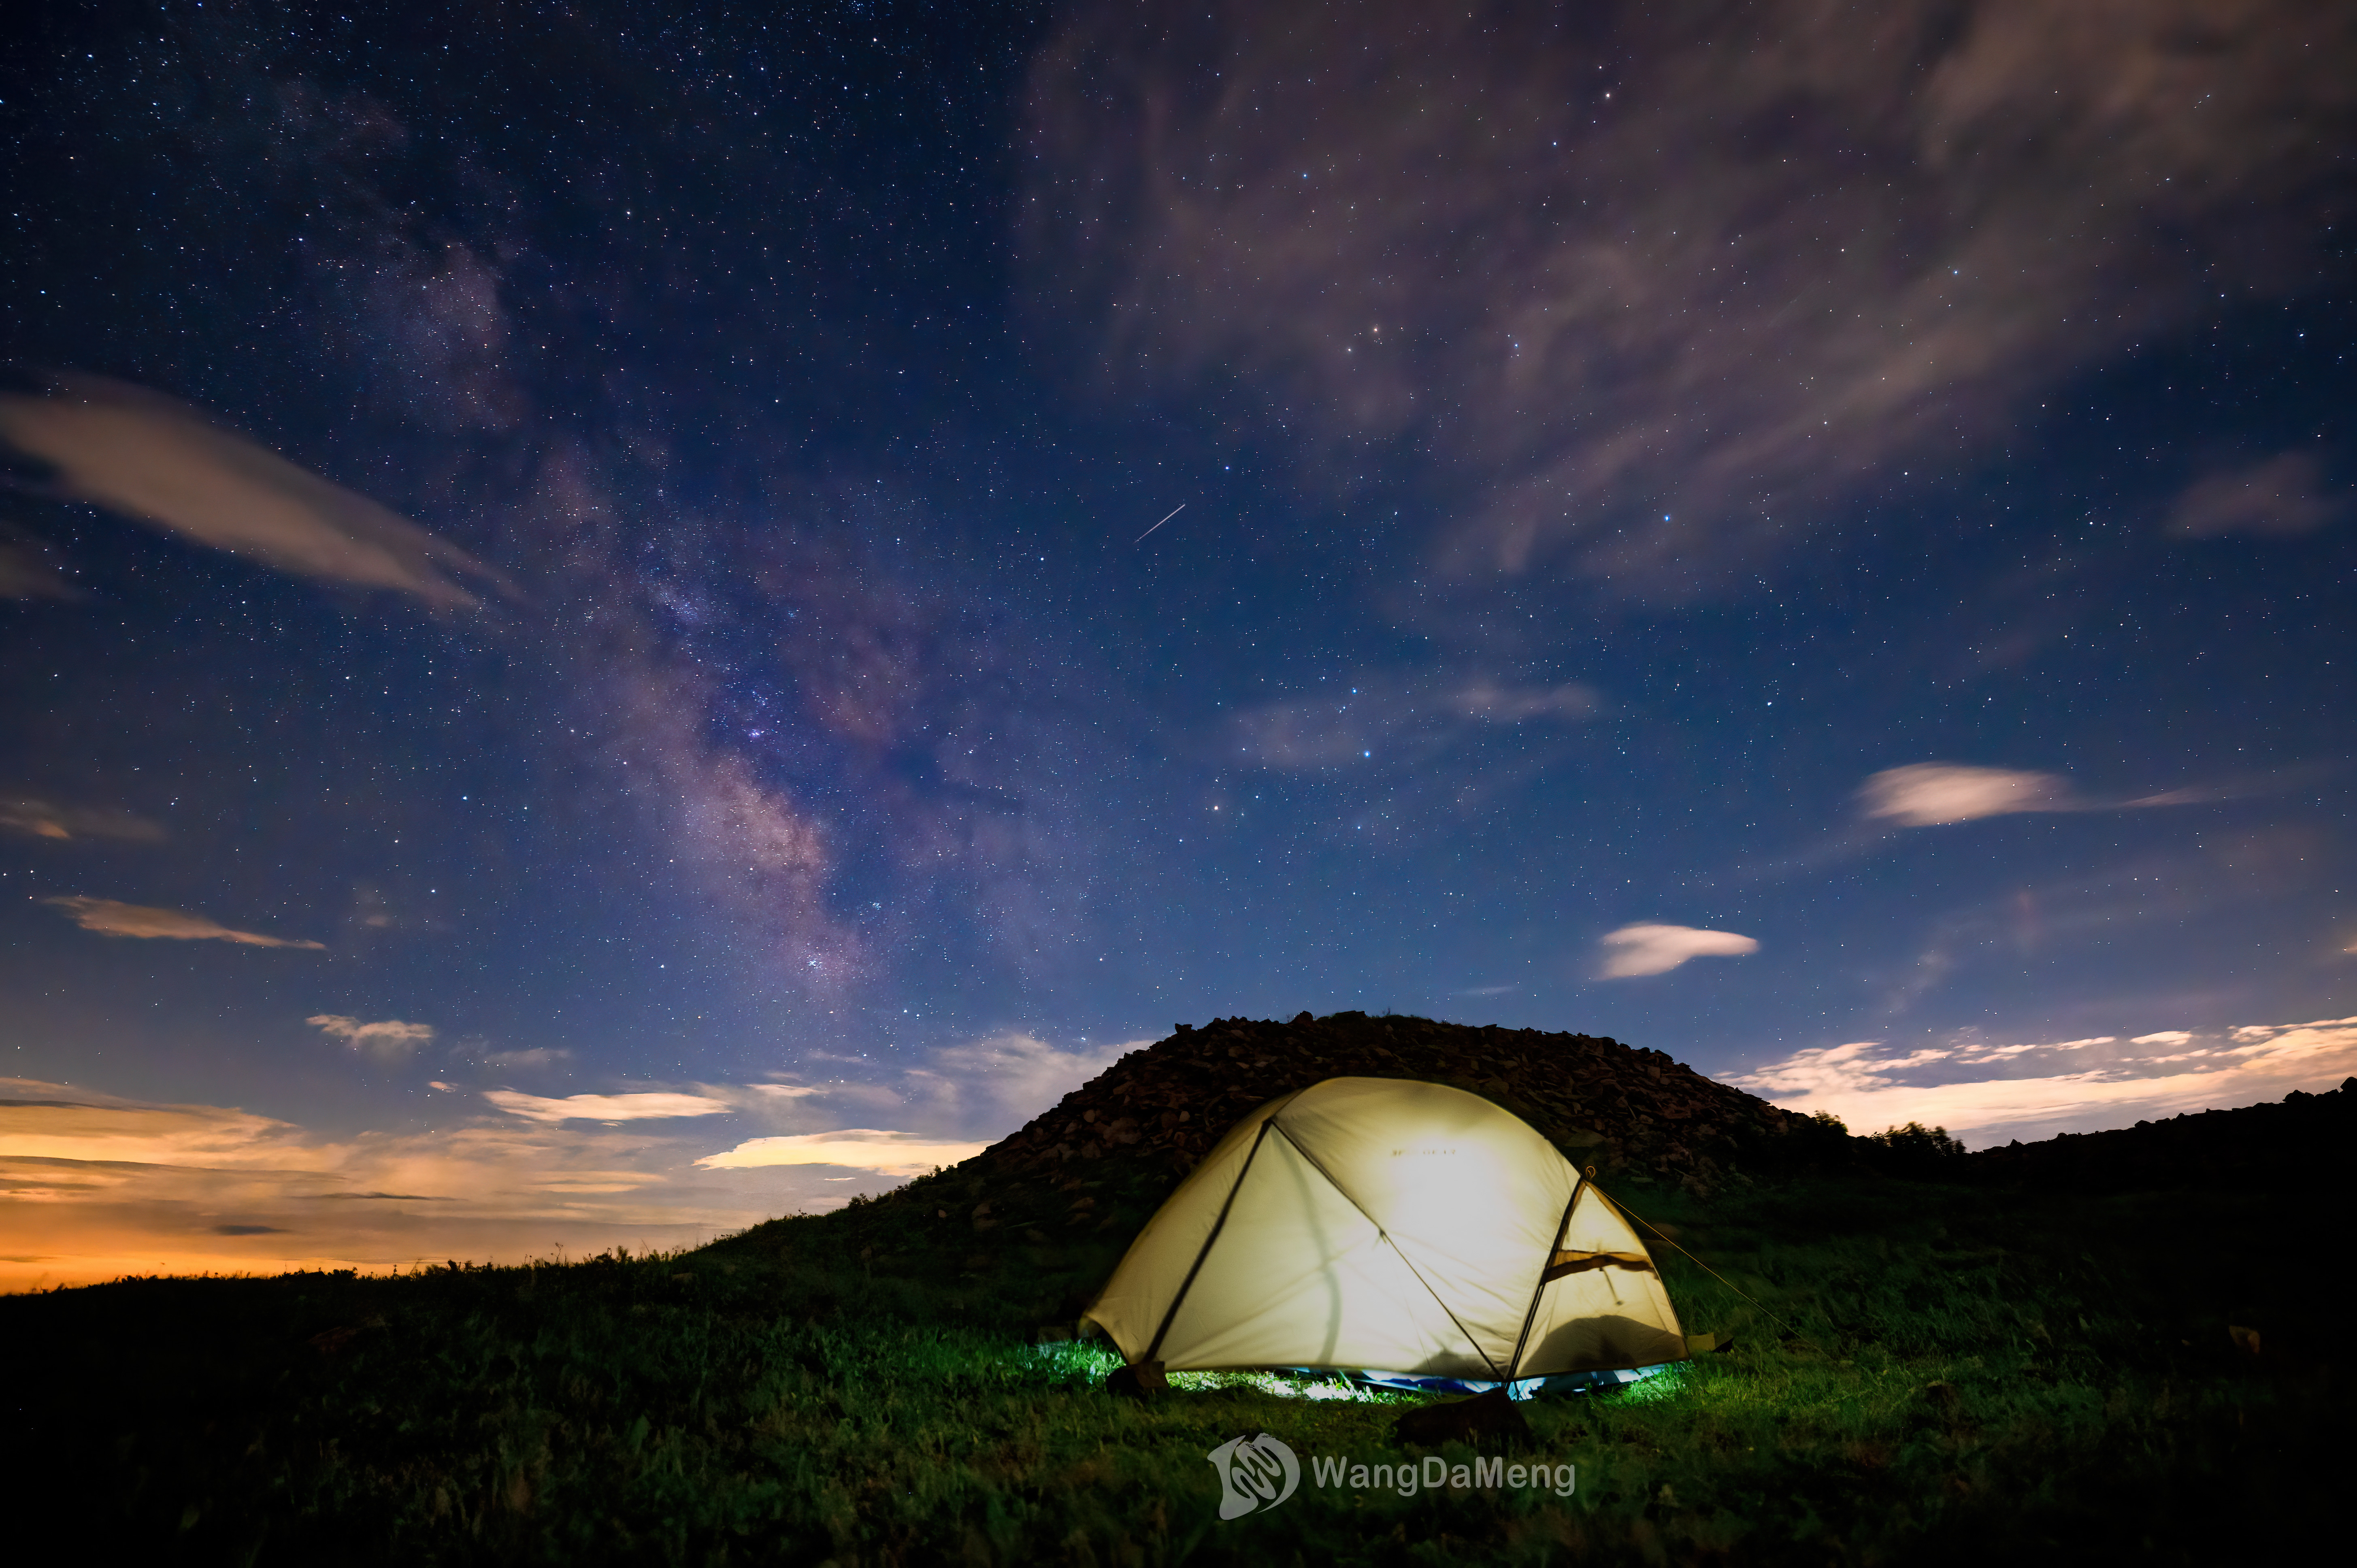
(1966, 1374)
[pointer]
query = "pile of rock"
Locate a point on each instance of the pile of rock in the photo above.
(1629, 1113)
(1028, 1230)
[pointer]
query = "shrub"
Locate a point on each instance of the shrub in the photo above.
(1914, 1150)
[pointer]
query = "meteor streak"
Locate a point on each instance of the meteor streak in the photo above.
(1174, 511)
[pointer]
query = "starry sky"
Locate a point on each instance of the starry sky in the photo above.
(616, 619)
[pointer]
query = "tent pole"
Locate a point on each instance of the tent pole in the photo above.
(1217, 1226)
(1562, 1228)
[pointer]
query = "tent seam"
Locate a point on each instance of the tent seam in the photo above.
(1179, 1298)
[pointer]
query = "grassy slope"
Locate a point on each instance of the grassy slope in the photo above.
(1976, 1371)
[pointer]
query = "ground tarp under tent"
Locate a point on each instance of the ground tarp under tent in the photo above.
(1383, 1223)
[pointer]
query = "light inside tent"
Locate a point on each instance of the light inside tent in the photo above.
(1381, 1222)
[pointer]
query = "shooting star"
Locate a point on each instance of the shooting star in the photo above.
(1173, 512)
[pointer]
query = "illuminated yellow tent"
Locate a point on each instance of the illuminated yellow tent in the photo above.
(1383, 1224)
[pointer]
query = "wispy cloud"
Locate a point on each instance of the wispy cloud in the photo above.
(47, 819)
(150, 457)
(111, 918)
(93, 1185)
(1648, 948)
(1391, 720)
(57, 1121)
(388, 1039)
(947, 1110)
(31, 568)
(995, 1084)
(537, 1056)
(1926, 794)
(857, 1148)
(2283, 495)
(643, 1107)
(2257, 867)
(1931, 794)
(1937, 794)
(785, 1091)
(1870, 1086)
(1648, 343)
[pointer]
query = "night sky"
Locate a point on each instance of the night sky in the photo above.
(586, 654)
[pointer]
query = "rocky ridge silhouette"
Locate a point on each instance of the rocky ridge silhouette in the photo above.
(1101, 1158)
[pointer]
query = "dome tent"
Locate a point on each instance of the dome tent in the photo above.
(1384, 1223)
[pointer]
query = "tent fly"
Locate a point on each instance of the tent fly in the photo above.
(1383, 1223)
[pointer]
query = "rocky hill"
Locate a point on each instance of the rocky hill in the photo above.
(2302, 1138)
(1029, 1229)
(1633, 1113)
